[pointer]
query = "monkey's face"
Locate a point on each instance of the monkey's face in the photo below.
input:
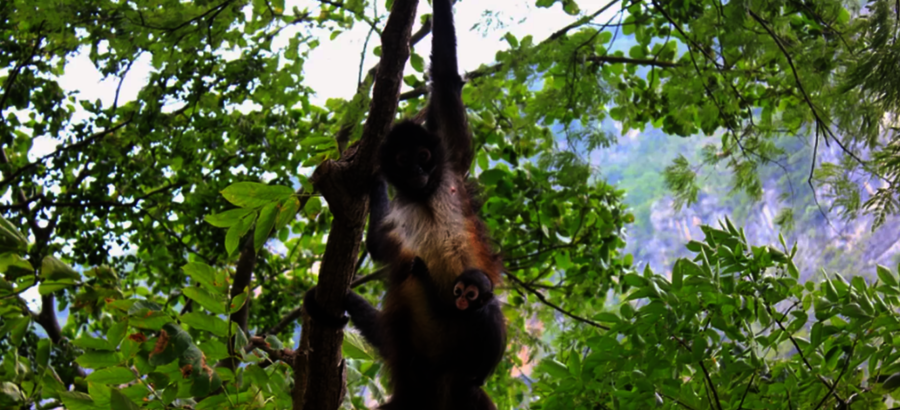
(418, 164)
(472, 290)
(411, 159)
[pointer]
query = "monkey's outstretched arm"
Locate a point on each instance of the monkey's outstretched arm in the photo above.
(446, 113)
(366, 319)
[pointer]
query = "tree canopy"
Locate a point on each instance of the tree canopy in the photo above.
(170, 237)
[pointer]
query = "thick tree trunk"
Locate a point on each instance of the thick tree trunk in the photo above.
(344, 185)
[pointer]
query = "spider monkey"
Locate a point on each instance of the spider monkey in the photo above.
(441, 331)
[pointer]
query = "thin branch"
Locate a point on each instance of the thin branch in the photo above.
(683, 34)
(69, 147)
(544, 300)
(836, 381)
(800, 351)
(377, 275)
(285, 321)
(639, 61)
(362, 56)
(18, 292)
(119, 87)
(414, 93)
(361, 16)
(423, 31)
(582, 21)
(710, 387)
(749, 385)
(806, 97)
(115, 204)
(679, 402)
(15, 72)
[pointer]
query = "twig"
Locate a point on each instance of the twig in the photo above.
(15, 72)
(678, 402)
(806, 97)
(582, 21)
(800, 351)
(119, 87)
(76, 145)
(843, 371)
(639, 61)
(749, 385)
(710, 386)
(379, 274)
(548, 303)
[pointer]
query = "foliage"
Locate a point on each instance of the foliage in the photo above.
(169, 237)
(733, 328)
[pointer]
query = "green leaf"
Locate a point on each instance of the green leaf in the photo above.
(274, 343)
(209, 323)
(100, 393)
(11, 240)
(49, 286)
(76, 401)
(287, 210)
(43, 352)
(214, 350)
(111, 375)
(55, 269)
(255, 194)
(491, 177)
(891, 382)
(238, 302)
(98, 360)
(417, 62)
(236, 232)
(150, 320)
(313, 207)
(86, 341)
(574, 364)
(212, 303)
(171, 344)
(264, 224)
(555, 368)
(886, 276)
(206, 276)
(14, 266)
(10, 394)
(678, 274)
(607, 317)
(119, 401)
(635, 280)
(15, 328)
(353, 347)
(511, 40)
(854, 310)
(228, 218)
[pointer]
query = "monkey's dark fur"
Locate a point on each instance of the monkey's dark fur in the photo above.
(438, 355)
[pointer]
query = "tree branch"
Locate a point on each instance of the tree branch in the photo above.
(344, 184)
(243, 273)
(18, 68)
(800, 351)
(638, 61)
(69, 147)
(544, 300)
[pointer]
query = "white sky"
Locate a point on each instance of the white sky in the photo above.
(333, 68)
